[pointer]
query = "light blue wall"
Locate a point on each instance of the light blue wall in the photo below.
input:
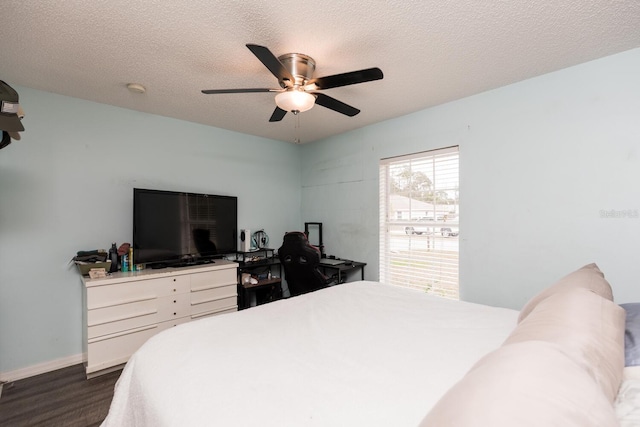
(67, 186)
(539, 160)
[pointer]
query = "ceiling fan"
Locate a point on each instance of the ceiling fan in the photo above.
(298, 90)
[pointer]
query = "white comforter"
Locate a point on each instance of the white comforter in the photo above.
(358, 354)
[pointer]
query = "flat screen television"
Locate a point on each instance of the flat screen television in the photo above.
(182, 228)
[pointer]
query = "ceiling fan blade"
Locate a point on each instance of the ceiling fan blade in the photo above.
(335, 105)
(351, 78)
(278, 114)
(249, 90)
(271, 62)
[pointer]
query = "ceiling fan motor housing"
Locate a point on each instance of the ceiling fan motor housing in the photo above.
(300, 66)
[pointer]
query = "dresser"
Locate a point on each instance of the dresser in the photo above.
(124, 309)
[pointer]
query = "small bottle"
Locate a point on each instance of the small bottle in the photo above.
(113, 257)
(132, 266)
(269, 275)
(124, 265)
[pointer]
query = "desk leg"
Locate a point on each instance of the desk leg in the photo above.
(245, 298)
(362, 272)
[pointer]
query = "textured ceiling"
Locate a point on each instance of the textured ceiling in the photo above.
(430, 51)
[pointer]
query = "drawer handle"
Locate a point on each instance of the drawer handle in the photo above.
(121, 334)
(212, 299)
(117, 319)
(209, 313)
(219, 285)
(131, 301)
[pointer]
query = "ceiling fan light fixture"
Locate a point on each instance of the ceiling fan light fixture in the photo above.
(295, 101)
(136, 88)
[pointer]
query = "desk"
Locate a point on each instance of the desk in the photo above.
(343, 269)
(267, 289)
(272, 291)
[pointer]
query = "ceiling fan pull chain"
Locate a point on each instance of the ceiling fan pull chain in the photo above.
(297, 129)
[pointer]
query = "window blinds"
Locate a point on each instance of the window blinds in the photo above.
(419, 228)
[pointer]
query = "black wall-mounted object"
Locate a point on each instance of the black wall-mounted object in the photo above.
(316, 229)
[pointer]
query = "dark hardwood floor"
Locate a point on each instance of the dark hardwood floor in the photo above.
(59, 398)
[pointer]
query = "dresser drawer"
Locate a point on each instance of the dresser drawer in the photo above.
(212, 294)
(128, 292)
(173, 307)
(117, 318)
(171, 323)
(213, 279)
(112, 350)
(213, 313)
(214, 305)
(171, 285)
(115, 349)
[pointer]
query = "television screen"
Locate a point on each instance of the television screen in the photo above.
(172, 227)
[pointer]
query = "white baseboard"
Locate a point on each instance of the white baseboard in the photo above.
(42, 368)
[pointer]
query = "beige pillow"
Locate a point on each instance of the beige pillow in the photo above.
(527, 384)
(589, 277)
(586, 327)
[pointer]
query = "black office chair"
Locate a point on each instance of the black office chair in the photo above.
(301, 261)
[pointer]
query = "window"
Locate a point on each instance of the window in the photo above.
(419, 229)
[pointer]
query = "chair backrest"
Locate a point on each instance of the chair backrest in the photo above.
(300, 261)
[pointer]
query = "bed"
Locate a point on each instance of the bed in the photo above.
(366, 353)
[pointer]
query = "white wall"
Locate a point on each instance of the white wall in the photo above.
(539, 161)
(67, 186)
